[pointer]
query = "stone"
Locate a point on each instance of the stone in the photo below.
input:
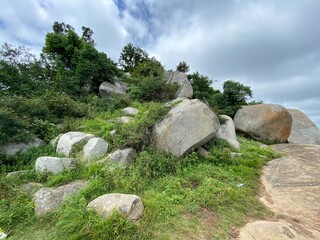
(113, 133)
(17, 173)
(54, 165)
(203, 152)
(227, 132)
(303, 130)
(130, 205)
(69, 140)
(187, 126)
(126, 120)
(11, 149)
(185, 89)
(3, 235)
(106, 89)
(31, 187)
(236, 155)
(130, 111)
(123, 156)
(264, 122)
(54, 141)
(48, 199)
(95, 148)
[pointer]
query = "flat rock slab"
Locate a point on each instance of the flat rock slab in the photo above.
(292, 189)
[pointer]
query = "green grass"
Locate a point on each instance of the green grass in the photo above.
(184, 198)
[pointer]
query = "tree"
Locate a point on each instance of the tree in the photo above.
(131, 57)
(75, 63)
(201, 86)
(183, 67)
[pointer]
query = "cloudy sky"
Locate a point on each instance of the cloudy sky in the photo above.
(271, 45)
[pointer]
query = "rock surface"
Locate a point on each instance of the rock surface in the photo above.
(95, 148)
(130, 111)
(130, 205)
(303, 130)
(3, 235)
(264, 122)
(54, 165)
(14, 148)
(19, 173)
(48, 199)
(292, 191)
(185, 89)
(31, 187)
(69, 140)
(125, 120)
(187, 126)
(227, 132)
(54, 141)
(106, 89)
(123, 156)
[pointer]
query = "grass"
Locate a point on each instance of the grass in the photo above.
(185, 198)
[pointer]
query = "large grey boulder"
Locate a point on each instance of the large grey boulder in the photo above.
(123, 156)
(264, 122)
(95, 148)
(54, 165)
(303, 130)
(106, 89)
(187, 126)
(227, 132)
(130, 205)
(130, 111)
(68, 141)
(185, 89)
(48, 199)
(14, 148)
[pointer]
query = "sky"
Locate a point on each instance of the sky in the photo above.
(270, 45)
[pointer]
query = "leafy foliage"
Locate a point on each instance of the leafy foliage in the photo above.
(183, 67)
(131, 57)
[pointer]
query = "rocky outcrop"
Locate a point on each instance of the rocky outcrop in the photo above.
(123, 156)
(187, 126)
(291, 189)
(95, 148)
(54, 165)
(303, 130)
(130, 111)
(48, 199)
(106, 89)
(227, 132)
(130, 205)
(68, 141)
(14, 148)
(185, 89)
(264, 122)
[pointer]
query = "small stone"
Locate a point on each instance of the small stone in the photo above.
(95, 148)
(236, 155)
(203, 152)
(126, 120)
(113, 133)
(17, 173)
(123, 156)
(130, 205)
(130, 111)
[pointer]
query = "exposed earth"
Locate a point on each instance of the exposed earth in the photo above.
(292, 191)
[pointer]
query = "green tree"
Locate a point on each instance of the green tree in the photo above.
(131, 57)
(183, 67)
(201, 86)
(76, 66)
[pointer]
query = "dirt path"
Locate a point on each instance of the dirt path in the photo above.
(292, 192)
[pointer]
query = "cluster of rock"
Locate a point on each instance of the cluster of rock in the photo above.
(275, 123)
(189, 126)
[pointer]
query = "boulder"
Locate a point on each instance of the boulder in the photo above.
(185, 89)
(227, 132)
(69, 140)
(130, 205)
(303, 130)
(54, 141)
(17, 174)
(31, 187)
(11, 149)
(95, 148)
(125, 120)
(123, 156)
(264, 122)
(54, 165)
(187, 126)
(3, 235)
(106, 89)
(130, 111)
(48, 199)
